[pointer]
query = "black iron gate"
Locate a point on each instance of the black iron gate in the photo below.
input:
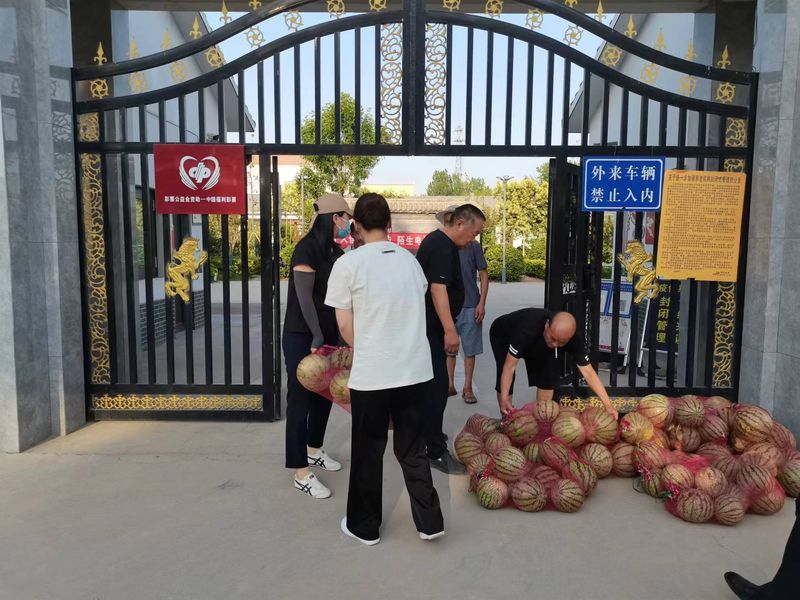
(416, 69)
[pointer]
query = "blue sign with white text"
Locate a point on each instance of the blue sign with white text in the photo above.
(613, 183)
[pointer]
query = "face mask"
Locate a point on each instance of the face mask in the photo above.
(342, 233)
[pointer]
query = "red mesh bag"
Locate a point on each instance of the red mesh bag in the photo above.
(326, 371)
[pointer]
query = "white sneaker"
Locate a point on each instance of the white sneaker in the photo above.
(323, 461)
(432, 536)
(312, 486)
(349, 533)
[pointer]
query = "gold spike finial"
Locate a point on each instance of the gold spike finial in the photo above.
(100, 57)
(225, 18)
(134, 50)
(165, 42)
(255, 4)
(690, 53)
(601, 13)
(725, 62)
(195, 32)
(660, 45)
(571, 3)
(631, 30)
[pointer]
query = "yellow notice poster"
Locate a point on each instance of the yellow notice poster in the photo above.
(700, 228)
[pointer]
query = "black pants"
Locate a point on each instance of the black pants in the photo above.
(436, 397)
(371, 412)
(786, 585)
(306, 413)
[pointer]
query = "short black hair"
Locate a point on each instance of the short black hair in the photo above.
(467, 212)
(372, 212)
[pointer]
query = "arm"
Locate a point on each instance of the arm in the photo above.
(594, 383)
(504, 399)
(344, 318)
(441, 302)
(480, 310)
(304, 277)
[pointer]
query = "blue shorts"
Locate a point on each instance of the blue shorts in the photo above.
(470, 332)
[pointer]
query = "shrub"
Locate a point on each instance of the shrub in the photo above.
(535, 267)
(515, 264)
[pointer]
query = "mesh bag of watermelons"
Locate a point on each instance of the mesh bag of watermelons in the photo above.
(326, 372)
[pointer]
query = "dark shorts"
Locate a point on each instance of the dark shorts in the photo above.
(542, 375)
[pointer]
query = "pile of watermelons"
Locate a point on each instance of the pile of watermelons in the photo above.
(706, 458)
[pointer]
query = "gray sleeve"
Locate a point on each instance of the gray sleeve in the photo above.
(304, 286)
(480, 258)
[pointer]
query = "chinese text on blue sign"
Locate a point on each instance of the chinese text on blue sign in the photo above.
(622, 183)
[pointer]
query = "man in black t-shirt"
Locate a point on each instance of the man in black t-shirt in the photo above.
(438, 256)
(536, 335)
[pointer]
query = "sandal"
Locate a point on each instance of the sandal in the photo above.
(469, 399)
(452, 392)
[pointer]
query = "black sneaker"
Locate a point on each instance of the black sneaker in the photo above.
(743, 589)
(446, 463)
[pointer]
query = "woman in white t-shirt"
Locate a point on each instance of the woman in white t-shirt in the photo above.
(378, 291)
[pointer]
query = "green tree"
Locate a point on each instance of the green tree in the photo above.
(345, 173)
(526, 211)
(444, 183)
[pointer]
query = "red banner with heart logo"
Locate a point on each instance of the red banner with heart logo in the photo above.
(200, 179)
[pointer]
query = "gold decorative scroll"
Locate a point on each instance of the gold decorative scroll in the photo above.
(336, 8)
(183, 268)
(378, 5)
(580, 404)
(435, 83)
(391, 49)
(634, 259)
(164, 402)
(94, 248)
(494, 8)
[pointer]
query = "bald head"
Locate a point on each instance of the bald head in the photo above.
(560, 329)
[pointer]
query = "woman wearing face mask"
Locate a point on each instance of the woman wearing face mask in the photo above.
(308, 325)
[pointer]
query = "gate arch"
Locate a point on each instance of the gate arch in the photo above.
(414, 94)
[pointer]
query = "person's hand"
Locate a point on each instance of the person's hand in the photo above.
(505, 405)
(480, 313)
(613, 412)
(451, 341)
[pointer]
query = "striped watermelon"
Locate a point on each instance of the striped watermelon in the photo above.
(753, 478)
(713, 451)
(728, 415)
(479, 462)
(583, 475)
(711, 481)
(567, 496)
(528, 495)
(769, 456)
(545, 411)
(730, 465)
(467, 446)
(622, 455)
(677, 477)
(494, 441)
(789, 477)
(691, 439)
(717, 402)
(769, 501)
(695, 506)
(312, 372)
(599, 425)
(599, 458)
(661, 439)
(492, 492)
(652, 484)
(570, 429)
(520, 427)
(752, 423)
(729, 509)
(484, 426)
(509, 463)
(533, 453)
(555, 453)
(649, 455)
(656, 408)
(635, 428)
(782, 437)
(714, 429)
(480, 466)
(545, 475)
(689, 411)
(475, 423)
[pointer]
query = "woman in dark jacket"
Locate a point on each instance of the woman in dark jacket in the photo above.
(309, 324)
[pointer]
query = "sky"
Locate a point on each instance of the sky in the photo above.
(418, 170)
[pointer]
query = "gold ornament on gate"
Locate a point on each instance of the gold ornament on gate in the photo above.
(254, 37)
(214, 57)
(195, 32)
(451, 5)
(183, 268)
(650, 73)
(494, 8)
(225, 18)
(573, 35)
(255, 4)
(687, 85)
(535, 18)
(631, 30)
(611, 56)
(378, 5)
(726, 92)
(99, 87)
(634, 259)
(293, 20)
(600, 15)
(336, 8)
(571, 3)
